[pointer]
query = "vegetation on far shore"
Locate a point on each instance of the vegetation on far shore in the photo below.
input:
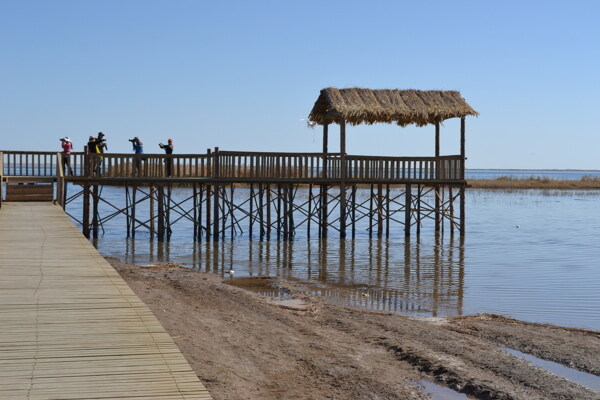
(536, 182)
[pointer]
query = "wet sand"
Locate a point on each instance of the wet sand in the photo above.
(244, 346)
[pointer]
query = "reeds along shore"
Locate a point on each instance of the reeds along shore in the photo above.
(587, 182)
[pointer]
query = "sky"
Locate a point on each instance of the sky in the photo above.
(242, 75)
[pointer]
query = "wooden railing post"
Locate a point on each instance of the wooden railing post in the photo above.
(1, 175)
(60, 181)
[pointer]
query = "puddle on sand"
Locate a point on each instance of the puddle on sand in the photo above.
(438, 392)
(584, 379)
(263, 285)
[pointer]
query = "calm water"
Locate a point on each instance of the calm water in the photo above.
(531, 255)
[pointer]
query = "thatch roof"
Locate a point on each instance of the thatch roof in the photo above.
(403, 107)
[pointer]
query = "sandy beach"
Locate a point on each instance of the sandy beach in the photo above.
(244, 346)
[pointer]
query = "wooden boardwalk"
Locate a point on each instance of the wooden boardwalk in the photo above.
(70, 327)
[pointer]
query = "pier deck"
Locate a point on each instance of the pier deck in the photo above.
(70, 327)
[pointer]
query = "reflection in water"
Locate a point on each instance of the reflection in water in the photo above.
(543, 271)
(377, 274)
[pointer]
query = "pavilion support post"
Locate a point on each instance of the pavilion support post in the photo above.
(407, 209)
(343, 179)
(86, 211)
(463, 167)
(462, 147)
(437, 173)
(323, 209)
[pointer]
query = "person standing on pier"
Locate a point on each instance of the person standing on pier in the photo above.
(168, 148)
(93, 148)
(101, 143)
(67, 147)
(138, 148)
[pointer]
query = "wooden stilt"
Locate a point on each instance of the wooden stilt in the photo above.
(200, 198)
(161, 213)
(86, 211)
(387, 211)
(379, 210)
(210, 190)
(372, 194)
(310, 200)
(195, 210)
(95, 211)
(343, 179)
(353, 199)
(279, 222)
(291, 196)
(286, 213)
(407, 210)
(451, 209)
(152, 215)
(462, 211)
(268, 212)
(261, 210)
(133, 206)
(251, 222)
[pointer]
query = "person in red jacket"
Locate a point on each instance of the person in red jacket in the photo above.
(67, 147)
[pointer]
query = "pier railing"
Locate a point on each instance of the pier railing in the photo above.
(238, 165)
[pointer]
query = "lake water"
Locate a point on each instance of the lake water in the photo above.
(532, 255)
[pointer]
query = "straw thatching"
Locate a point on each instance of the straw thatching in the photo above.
(403, 107)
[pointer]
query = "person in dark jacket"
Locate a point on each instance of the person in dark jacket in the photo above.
(138, 148)
(168, 148)
(93, 148)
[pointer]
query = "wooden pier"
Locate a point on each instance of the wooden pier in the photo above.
(407, 191)
(70, 327)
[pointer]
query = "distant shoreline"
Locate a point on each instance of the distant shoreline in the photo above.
(537, 183)
(535, 170)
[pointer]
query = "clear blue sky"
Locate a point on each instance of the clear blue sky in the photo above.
(241, 74)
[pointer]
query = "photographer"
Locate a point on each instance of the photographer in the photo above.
(67, 147)
(168, 148)
(138, 148)
(101, 143)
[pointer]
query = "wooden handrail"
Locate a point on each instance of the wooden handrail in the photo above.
(241, 164)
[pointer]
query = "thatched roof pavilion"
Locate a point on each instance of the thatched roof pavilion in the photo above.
(403, 107)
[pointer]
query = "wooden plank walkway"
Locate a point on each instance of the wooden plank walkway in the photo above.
(70, 327)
